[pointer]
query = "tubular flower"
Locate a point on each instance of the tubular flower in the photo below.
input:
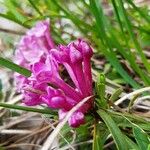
(46, 85)
(35, 44)
(76, 57)
(33, 47)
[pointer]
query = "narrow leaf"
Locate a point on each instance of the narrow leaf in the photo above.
(97, 141)
(114, 130)
(100, 88)
(128, 25)
(131, 144)
(141, 138)
(8, 64)
(14, 20)
(108, 51)
(116, 95)
(35, 7)
(30, 109)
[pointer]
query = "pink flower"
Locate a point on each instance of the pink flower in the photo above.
(55, 98)
(36, 43)
(48, 73)
(76, 119)
(76, 59)
(37, 52)
(33, 47)
(33, 92)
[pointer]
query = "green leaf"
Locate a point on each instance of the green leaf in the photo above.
(100, 136)
(6, 16)
(14, 14)
(35, 7)
(30, 109)
(13, 9)
(148, 148)
(143, 15)
(97, 142)
(117, 135)
(141, 138)
(116, 95)
(130, 56)
(128, 26)
(8, 64)
(131, 144)
(80, 24)
(100, 89)
(107, 49)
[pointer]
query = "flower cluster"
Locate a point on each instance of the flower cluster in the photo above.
(38, 53)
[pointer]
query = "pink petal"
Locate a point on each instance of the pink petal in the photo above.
(76, 119)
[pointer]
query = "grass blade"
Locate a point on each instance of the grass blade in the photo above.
(141, 138)
(8, 64)
(132, 36)
(108, 50)
(130, 56)
(97, 141)
(13, 10)
(80, 24)
(35, 7)
(131, 144)
(30, 109)
(14, 20)
(143, 15)
(114, 130)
